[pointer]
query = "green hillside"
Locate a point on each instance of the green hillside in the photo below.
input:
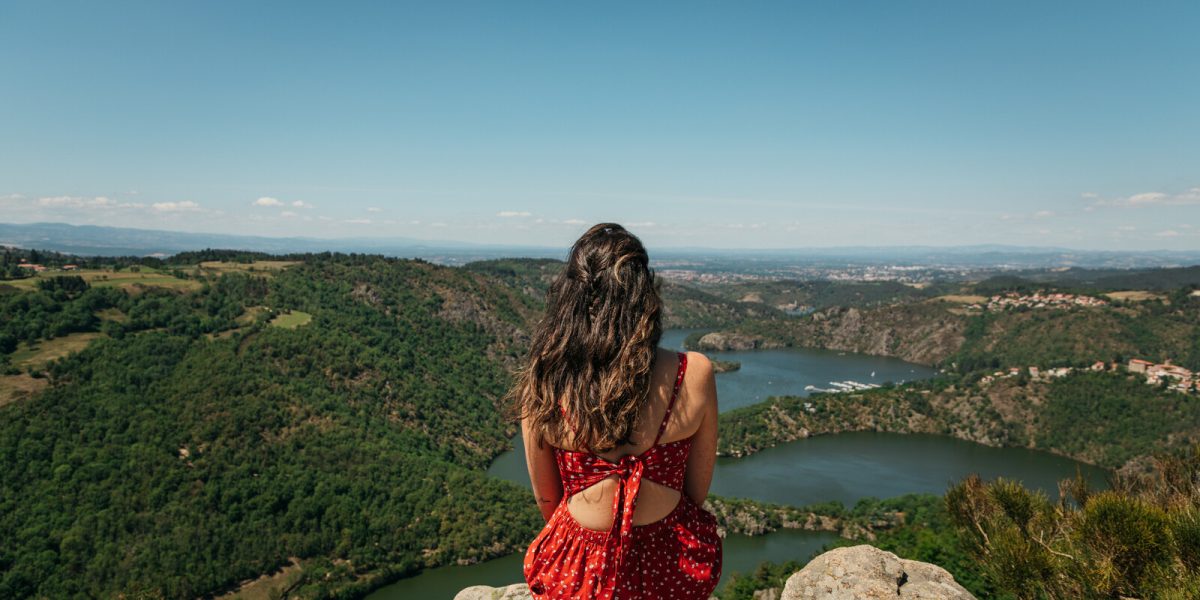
(164, 462)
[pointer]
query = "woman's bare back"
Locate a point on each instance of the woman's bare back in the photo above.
(694, 409)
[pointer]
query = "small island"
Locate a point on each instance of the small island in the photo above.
(725, 366)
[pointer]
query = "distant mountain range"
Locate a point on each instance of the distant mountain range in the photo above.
(92, 240)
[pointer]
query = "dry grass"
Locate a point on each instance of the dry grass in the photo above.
(267, 586)
(291, 319)
(961, 299)
(38, 354)
(19, 387)
(112, 314)
(1135, 296)
(129, 280)
(259, 266)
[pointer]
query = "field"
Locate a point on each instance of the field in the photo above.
(16, 387)
(265, 267)
(269, 586)
(243, 320)
(961, 299)
(130, 280)
(291, 319)
(39, 354)
(1135, 296)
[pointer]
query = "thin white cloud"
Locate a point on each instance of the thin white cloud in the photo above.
(268, 201)
(513, 213)
(287, 213)
(182, 206)
(1042, 214)
(1187, 197)
(1168, 233)
(358, 221)
(96, 202)
(301, 204)
(574, 222)
(1147, 198)
(374, 209)
(646, 224)
(73, 201)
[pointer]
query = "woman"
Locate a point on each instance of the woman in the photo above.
(620, 436)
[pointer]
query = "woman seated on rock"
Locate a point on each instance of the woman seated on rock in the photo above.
(620, 436)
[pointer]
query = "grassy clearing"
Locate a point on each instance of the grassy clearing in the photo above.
(961, 299)
(269, 586)
(243, 320)
(251, 315)
(19, 387)
(291, 319)
(127, 279)
(112, 314)
(259, 266)
(40, 353)
(1135, 296)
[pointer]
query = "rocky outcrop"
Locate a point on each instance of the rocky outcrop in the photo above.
(518, 591)
(850, 573)
(721, 341)
(917, 332)
(725, 366)
(860, 572)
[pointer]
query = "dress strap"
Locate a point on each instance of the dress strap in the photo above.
(674, 393)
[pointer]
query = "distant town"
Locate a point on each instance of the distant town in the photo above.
(1037, 300)
(1174, 377)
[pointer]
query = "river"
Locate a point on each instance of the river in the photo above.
(844, 467)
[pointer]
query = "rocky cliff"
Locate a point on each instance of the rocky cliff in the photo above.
(922, 333)
(849, 573)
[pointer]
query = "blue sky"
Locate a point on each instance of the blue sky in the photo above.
(734, 124)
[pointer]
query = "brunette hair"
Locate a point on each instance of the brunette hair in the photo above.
(592, 353)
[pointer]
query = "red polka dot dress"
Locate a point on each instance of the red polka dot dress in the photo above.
(677, 557)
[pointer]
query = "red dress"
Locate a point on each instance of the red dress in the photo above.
(677, 557)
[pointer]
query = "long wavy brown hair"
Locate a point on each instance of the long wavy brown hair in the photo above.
(592, 353)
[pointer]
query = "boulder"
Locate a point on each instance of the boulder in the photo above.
(518, 591)
(860, 572)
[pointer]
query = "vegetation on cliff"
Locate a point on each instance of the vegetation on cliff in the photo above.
(1104, 418)
(1140, 539)
(1153, 330)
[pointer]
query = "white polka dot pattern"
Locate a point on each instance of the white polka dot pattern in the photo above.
(678, 557)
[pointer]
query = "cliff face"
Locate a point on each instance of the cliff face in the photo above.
(841, 574)
(919, 333)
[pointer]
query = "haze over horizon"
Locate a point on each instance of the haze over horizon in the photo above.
(1071, 125)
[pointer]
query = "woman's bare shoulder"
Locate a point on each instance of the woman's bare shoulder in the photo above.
(698, 365)
(699, 384)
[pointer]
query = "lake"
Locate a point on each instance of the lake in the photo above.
(844, 467)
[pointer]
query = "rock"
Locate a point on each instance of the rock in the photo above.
(721, 341)
(857, 572)
(868, 572)
(517, 591)
(725, 366)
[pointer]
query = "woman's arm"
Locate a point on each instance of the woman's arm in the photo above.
(700, 384)
(543, 472)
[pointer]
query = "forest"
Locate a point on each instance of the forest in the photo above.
(166, 462)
